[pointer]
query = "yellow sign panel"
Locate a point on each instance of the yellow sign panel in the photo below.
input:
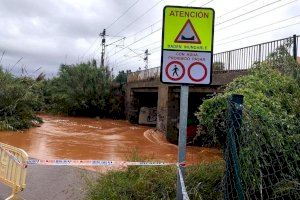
(188, 29)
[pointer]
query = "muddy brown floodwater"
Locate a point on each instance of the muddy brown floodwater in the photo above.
(101, 139)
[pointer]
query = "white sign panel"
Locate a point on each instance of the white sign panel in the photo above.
(187, 45)
(186, 67)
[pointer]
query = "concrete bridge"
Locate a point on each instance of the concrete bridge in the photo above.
(144, 89)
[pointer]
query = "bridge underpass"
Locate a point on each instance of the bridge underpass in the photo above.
(227, 66)
(144, 89)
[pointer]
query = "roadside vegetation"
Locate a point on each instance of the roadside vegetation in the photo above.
(79, 90)
(203, 181)
(20, 100)
(270, 137)
(85, 90)
(271, 89)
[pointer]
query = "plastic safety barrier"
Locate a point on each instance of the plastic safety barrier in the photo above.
(14, 162)
(12, 169)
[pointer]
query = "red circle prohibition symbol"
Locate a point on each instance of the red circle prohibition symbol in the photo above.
(204, 74)
(167, 71)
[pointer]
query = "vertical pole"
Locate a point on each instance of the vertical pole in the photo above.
(184, 97)
(235, 112)
(146, 58)
(295, 47)
(229, 60)
(103, 34)
(259, 53)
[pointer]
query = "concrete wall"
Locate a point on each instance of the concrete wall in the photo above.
(168, 99)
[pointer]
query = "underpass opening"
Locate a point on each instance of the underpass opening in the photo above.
(196, 98)
(146, 108)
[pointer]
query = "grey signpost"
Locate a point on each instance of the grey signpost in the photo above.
(186, 59)
(184, 99)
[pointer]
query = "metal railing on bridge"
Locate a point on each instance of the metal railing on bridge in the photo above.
(233, 60)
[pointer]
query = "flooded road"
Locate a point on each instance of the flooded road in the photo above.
(101, 139)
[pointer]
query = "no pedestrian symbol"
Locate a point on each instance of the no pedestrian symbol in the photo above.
(187, 48)
(175, 71)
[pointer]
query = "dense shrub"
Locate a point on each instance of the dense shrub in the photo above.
(83, 89)
(269, 139)
(202, 182)
(80, 90)
(19, 100)
(272, 89)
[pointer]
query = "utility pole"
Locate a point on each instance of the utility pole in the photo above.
(103, 34)
(146, 58)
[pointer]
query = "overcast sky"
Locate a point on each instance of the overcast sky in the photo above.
(46, 33)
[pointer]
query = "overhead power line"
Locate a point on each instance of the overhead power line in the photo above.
(201, 5)
(124, 13)
(93, 43)
(161, 19)
(144, 29)
(138, 18)
(231, 11)
(255, 29)
(137, 40)
(259, 14)
(222, 22)
(150, 26)
(251, 11)
(231, 18)
(259, 33)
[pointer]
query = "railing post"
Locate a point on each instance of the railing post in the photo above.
(295, 48)
(233, 174)
(229, 60)
(259, 52)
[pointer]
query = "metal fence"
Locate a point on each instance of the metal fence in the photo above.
(262, 158)
(237, 59)
(244, 58)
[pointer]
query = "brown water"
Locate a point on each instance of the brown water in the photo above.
(103, 139)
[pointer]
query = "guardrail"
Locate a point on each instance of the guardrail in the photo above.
(13, 169)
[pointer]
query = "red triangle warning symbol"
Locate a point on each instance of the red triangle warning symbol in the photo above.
(188, 34)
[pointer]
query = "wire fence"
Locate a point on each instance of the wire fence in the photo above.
(233, 60)
(262, 156)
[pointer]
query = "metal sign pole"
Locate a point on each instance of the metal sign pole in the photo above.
(184, 97)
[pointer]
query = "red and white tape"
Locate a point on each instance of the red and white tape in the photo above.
(59, 162)
(185, 195)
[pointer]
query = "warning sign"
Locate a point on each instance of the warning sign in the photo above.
(187, 48)
(186, 67)
(188, 29)
(188, 34)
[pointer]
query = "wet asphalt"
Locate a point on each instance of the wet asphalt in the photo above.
(54, 183)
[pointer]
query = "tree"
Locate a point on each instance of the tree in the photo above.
(80, 89)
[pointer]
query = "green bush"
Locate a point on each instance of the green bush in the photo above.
(268, 90)
(19, 101)
(269, 139)
(143, 182)
(85, 90)
(80, 89)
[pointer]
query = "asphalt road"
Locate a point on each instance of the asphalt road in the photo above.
(49, 183)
